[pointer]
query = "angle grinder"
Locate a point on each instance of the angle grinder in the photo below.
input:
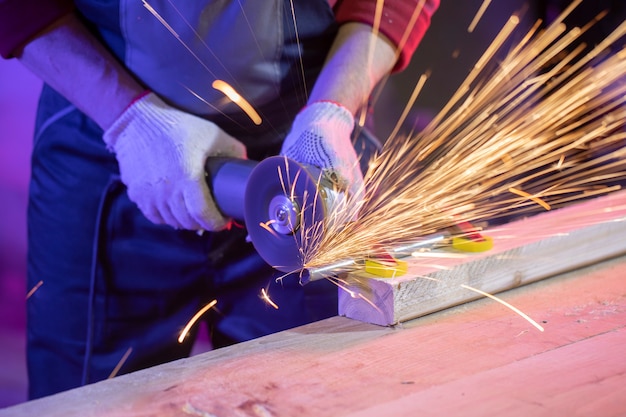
(283, 204)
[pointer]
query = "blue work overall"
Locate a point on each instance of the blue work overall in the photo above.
(108, 280)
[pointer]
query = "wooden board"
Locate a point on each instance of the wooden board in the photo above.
(478, 359)
(524, 251)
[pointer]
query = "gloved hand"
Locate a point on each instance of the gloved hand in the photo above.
(161, 152)
(320, 136)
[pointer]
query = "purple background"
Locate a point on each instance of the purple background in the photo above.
(19, 90)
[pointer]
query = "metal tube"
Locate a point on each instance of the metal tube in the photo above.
(349, 265)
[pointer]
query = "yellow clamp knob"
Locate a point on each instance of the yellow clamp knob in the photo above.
(386, 269)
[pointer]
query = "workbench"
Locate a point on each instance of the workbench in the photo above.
(476, 359)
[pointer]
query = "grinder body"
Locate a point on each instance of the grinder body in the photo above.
(227, 179)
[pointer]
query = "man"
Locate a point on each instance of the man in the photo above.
(127, 117)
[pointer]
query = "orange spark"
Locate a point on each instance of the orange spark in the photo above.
(353, 294)
(478, 15)
(120, 363)
(504, 303)
(265, 296)
(378, 13)
(35, 288)
(236, 98)
(409, 105)
(266, 226)
(493, 297)
(193, 320)
(530, 197)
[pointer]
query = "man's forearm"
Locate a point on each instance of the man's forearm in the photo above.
(72, 61)
(358, 60)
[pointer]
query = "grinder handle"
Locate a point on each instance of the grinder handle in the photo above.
(227, 179)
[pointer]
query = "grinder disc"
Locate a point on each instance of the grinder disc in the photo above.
(284, 212)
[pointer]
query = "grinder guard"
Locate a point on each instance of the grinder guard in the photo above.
(284, 212)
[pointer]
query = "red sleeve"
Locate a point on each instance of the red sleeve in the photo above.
(20, 20)
(396, 23)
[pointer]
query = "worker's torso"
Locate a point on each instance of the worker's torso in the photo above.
(179, 48)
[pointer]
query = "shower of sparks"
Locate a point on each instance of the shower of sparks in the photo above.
(120, 363)
(547, 118)
(236, 98)
(266, 297)
(504, 303)
(194, 319)
(32, 290)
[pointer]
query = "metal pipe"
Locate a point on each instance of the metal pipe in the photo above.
(349, 265)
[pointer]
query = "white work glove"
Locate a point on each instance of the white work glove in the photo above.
(320, 136)
(161, 153)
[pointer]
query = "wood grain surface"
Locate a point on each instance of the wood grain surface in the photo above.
(478, 358)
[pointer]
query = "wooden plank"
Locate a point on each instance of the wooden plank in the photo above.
(524, 251)
(340, 367)
(581, 379)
